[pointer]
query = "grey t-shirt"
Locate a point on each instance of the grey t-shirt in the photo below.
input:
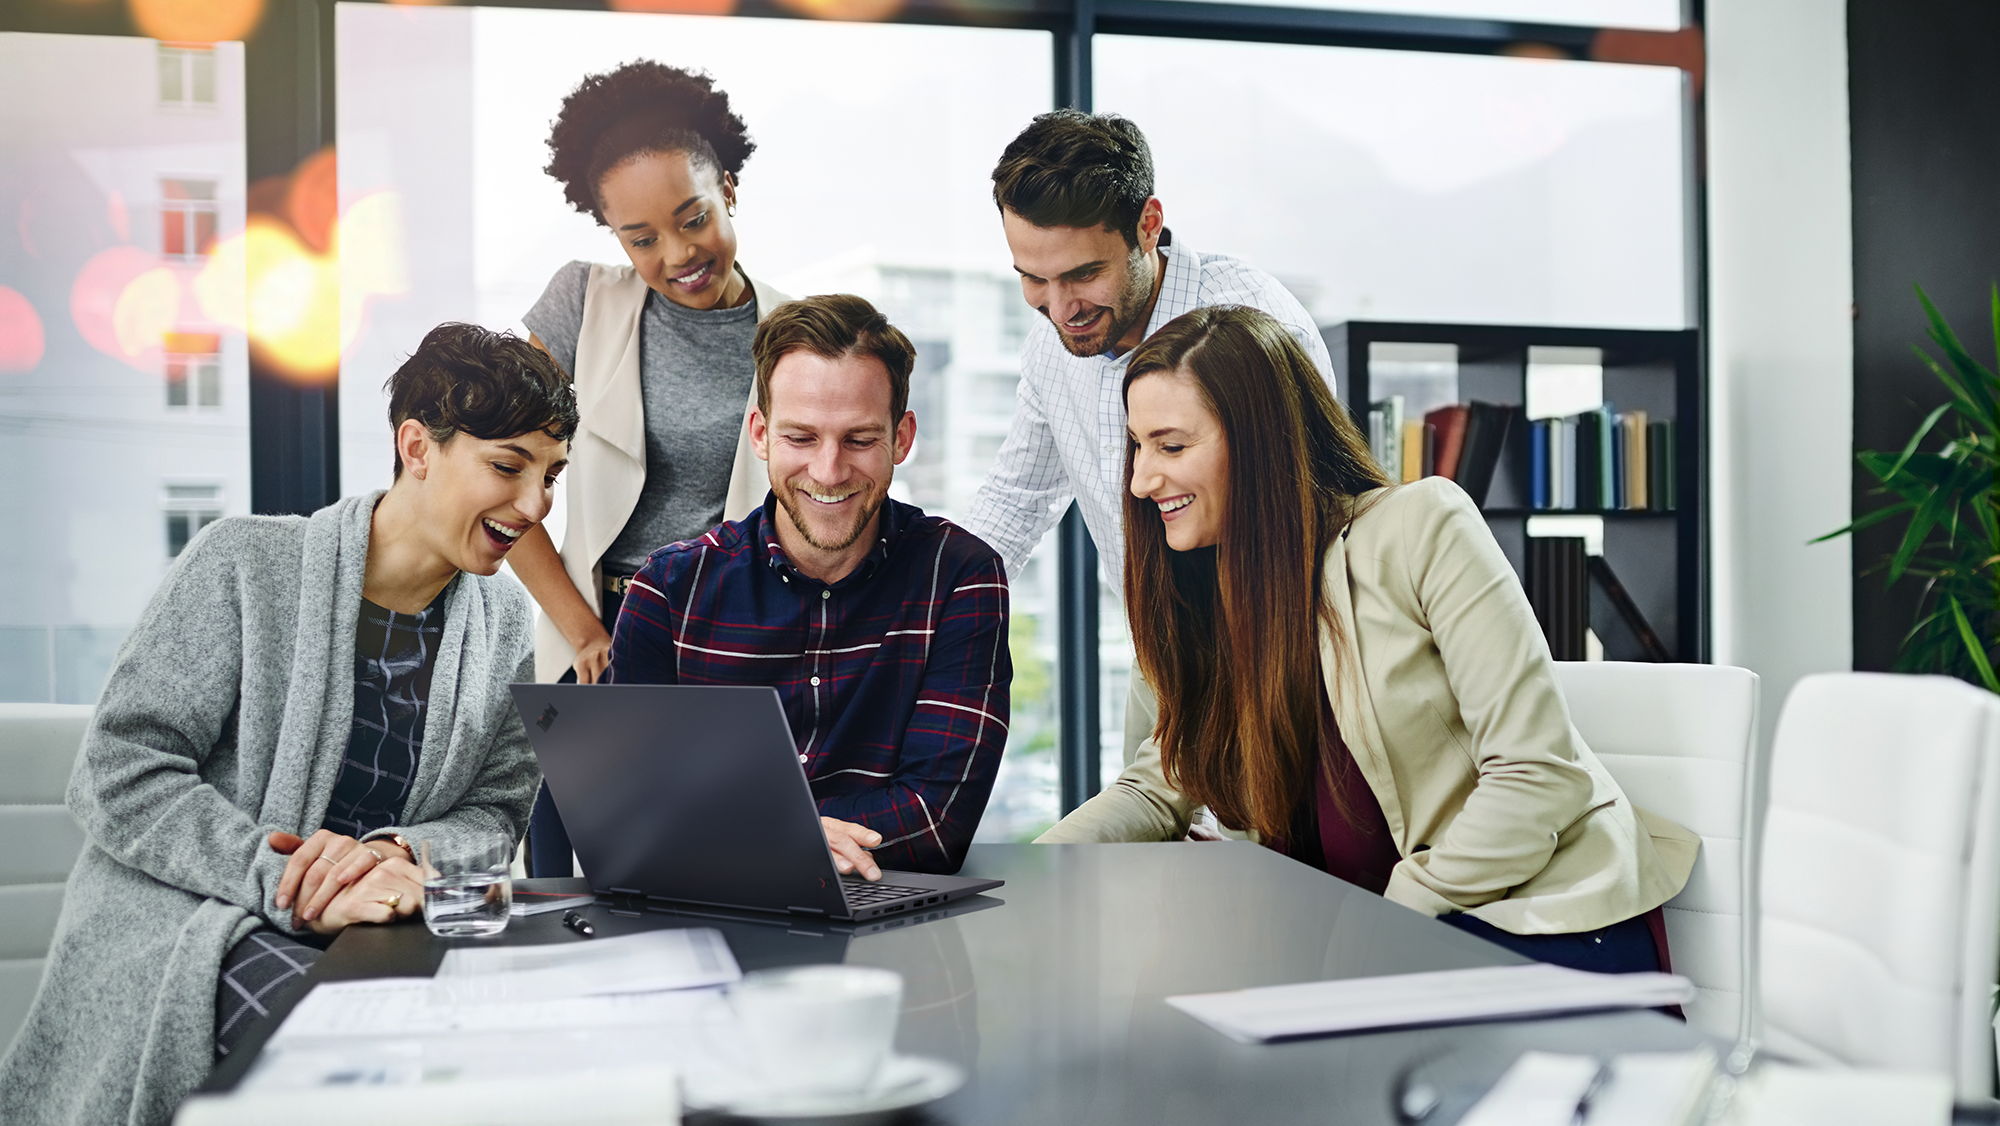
(695, 375)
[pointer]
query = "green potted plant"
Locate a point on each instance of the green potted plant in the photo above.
(1950, 514)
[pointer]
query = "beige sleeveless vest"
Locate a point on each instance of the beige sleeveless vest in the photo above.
(607, 460)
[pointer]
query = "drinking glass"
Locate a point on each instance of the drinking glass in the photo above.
(467, 886)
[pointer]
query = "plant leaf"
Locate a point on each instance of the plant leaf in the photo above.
(1910, 447)
(1868, 520)
(1975, 648)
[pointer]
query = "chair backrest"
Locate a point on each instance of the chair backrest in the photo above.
(39, 841)
(1681, 741)
(1882, 876)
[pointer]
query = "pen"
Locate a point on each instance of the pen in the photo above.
(579, 924)
(1590, 1094)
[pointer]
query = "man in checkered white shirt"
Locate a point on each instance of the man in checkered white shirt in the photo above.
(1090, 242)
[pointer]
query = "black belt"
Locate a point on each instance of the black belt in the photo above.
(616, 584)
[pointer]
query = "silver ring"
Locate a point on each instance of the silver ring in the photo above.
(320, 857)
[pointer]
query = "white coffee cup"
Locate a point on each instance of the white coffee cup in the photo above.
(818, 1030)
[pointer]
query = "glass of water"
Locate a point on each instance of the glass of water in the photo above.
(467, 887)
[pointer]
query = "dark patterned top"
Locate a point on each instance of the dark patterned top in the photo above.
(393, 658)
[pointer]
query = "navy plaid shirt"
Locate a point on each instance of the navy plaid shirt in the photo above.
(894, 679)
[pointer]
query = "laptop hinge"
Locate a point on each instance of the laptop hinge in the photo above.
(807, 911)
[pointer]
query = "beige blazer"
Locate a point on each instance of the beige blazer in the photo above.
(1444, 691)
(607, 460)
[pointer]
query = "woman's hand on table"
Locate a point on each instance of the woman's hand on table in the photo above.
(391, 890)
(323, 864)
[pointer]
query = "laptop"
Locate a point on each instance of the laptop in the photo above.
(695, 795)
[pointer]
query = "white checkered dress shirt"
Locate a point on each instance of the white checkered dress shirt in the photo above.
(1068, 437)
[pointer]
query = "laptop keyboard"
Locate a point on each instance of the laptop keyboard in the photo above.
(861, 893)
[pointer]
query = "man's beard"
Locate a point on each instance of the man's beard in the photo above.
(788, 498)
(1127, 308)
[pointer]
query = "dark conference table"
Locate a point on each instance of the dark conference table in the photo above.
(1049, 991)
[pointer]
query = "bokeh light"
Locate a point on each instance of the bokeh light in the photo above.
(270, 283)
(147, 309)
(681, 7)
(196, 21)
(312, 201)
(98, 304)
(21, 339)
(856, 10)
(292, 301)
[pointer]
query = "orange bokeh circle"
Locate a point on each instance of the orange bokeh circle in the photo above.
(196, 21)
(95, 295)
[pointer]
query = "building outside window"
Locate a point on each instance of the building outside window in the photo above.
(187, 218)
(187, 75)
(193, 370)
(88, 427)
(190, 508)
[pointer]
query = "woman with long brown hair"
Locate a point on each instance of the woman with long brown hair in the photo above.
(1350, 672)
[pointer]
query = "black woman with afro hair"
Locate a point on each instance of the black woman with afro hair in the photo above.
(660, 350)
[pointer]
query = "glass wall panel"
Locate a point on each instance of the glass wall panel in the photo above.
(875, 144)
(1399, 185)
(1652, 15)
(124, 373)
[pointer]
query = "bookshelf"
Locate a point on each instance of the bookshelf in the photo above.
(1660, 557)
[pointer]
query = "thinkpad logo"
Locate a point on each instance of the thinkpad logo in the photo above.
(548, 719)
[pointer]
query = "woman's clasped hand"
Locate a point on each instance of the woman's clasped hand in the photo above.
(338, 881)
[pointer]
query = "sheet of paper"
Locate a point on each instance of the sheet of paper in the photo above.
(1638, 1089)
(639, 1096)
(1776, 1094)
(1541, 1089)
(1314, 1008)
(406, 1006)
(389, 1033)
(634, 963)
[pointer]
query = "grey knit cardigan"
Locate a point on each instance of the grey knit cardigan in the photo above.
(226, 717)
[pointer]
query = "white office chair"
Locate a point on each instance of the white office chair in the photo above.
(1881, 921)
(39, 842)
(1681, 741)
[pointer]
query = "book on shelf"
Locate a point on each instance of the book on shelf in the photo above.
(1602, 461)
(1461, 442)
(1662, 467)
(1485, 437)
(1385, 435)
(1559, 592)
(1450, 425)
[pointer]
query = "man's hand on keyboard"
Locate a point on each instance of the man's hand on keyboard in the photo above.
(850, 844)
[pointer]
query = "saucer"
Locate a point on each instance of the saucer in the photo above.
(903, 1082)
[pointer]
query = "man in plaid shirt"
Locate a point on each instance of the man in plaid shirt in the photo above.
(884, 630)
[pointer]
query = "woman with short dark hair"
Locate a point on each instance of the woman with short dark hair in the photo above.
(660, 348)
(301, 697)
(1351, 672)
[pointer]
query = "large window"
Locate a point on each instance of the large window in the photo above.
(874, 148)
(1652, 15)
(1466, 182)
(1406, 186)
(113, 194)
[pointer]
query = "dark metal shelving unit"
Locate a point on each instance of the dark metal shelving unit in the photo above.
(1661, 557)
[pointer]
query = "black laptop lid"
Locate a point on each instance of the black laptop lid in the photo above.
(690, 793)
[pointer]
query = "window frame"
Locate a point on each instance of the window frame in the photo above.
(289, 76)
